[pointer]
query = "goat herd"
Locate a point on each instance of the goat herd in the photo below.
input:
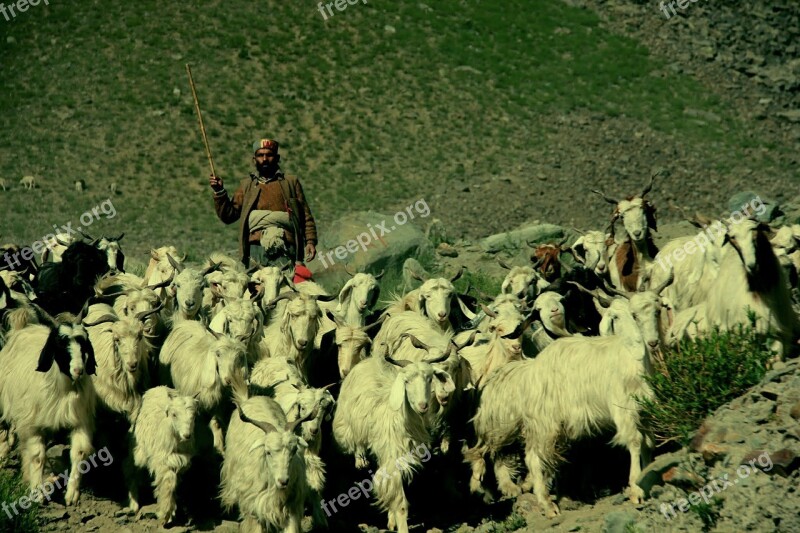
(262, 364)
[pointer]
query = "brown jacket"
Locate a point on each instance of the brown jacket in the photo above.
(250, 195)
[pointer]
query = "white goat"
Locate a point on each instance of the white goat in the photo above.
(382, 408)
(28, 182)
(161, 442)
(357, 297)
(121, 353)
(187, 289)
(242, 320)
(45, 385)
(750, 277)
(502, 345)
(263, 472)
(574, 387)
(631, 257)
(523, 282)
(552, 323)
(590, 250)
(203, 363)
(433, 299)
(55, 245)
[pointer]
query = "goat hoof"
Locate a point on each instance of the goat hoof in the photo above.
(552, 511)
(637, 495)
(72, 497)
(510, 490)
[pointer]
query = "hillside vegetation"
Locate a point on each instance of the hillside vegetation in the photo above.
(379, 105)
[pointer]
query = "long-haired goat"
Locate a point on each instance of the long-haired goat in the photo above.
(574, 387)
(45, 385)
(161, 442)
(632, 256)
(66, 286)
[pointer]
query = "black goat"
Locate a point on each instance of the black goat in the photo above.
(66, 286)
(581, 313)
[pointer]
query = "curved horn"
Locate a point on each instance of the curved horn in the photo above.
(282, 296)
(402, 363)
(253, 269)
(217, 336)
(444, 357)
(163, 284)
(121, 235)
(613, 290)
(259, 295)
(416, 342)
(374, 324)
(650, 185)
(87, 236)
(213, 267)
(596, 294)
(144, 314)
(266, 427)
(458, 274)
(177, 266)
(84, 311)
(667, 282)
(380, 274)
(606, 198)
(44, 315)
(503, 263)
(325, 297)
(347, 269)
(470, 340)
(102, 320)
(488, 311)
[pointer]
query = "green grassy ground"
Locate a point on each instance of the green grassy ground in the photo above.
(368, 117)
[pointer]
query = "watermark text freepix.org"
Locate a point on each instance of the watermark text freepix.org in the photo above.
(716, 485)
(21, 6)
(38, 247)
(47, 489)
(364, 239)
(710, 233)
(682, 5)
(365, 486)
(340, 5)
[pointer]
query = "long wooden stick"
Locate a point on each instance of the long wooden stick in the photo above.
(200, 118)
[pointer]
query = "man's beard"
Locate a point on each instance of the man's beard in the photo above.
(266, 170)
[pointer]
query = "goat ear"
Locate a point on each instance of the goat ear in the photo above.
(91, 362)
(48, 355)
(448, 385)
(397, 397)
(208, 375)
(344, 294)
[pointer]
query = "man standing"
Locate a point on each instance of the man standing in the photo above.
(276, 222)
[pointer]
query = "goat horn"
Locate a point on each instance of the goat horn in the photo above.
(102, 320)
(488, 311)
(606, 198)
(144, 314)
(650, 185)
(578, 259)
(253, 269)
(667, 282)
(346, 269)
(84, 311)
(470, 340)
(576, 230)
(259, 295)
(266, 427)
(282, 296)
(380, 274)
(563, 241)
(121, 235)
(86, 235)
(596, 294)
(458, 274)
(377, 323)
(503, 264)
(42, 314)
(212, 268)
(402, 363)
(444, 357)
(416, 342)
(325, 297)
(177, 266)
(216, 335)
(613, 290)
(286, 267)
(162, 284)
(153, 255)
(62, 243)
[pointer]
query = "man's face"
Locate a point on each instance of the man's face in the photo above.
(266, 161)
